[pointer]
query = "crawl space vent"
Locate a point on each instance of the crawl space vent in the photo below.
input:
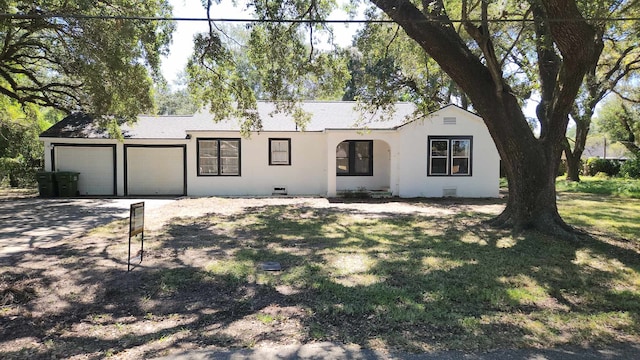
(449, 192)
(449, 121)
(279, 190)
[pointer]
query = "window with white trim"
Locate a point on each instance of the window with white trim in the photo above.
(279, 151)
(218, 157)
(450, 155)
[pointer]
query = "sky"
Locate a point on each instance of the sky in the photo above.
(182, 45)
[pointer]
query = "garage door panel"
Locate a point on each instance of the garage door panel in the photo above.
(94, 163)
(155, 170)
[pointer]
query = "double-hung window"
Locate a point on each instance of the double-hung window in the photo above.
(450, 155)
(218, 157)
(279, 151)
(354, 158)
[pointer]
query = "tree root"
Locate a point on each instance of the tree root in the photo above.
(547, 223)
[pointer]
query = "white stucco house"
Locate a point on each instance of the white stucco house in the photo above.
(448, 153)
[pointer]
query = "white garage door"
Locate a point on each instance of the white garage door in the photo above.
(94, 163)
(155, 170)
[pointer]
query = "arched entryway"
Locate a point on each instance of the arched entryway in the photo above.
(362, 164)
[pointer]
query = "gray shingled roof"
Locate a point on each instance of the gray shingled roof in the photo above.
(75, 126)
(324, 115)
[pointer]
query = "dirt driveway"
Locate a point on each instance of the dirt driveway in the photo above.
(29, 223)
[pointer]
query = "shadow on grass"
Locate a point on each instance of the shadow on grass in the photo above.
(602, 213)
(407, 282)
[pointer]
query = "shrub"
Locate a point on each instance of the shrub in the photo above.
(17, 172)
(598, 165)
(631, 168)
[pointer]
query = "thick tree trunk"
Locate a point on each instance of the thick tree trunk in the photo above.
(531, 163)
(632, 147)
(574, 155)
(531, 166)
(531, 203)
(583, 123)
(573, 166)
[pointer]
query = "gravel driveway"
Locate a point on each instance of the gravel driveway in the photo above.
(29, 223)
(32, 222)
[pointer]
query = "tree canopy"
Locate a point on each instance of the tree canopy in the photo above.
(20, 150)
(282, 64)
(173, 101)
(103, 65)
(387, 66)
(620, 120)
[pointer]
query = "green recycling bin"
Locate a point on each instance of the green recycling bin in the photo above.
(67, 183)
(47, 184)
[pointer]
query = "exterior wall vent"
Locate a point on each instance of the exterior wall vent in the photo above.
(449, 121)
(279, 190)
(449, 192)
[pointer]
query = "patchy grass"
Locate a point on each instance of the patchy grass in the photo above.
(627, 188)
(422, 283)
(412, 282)
(602, 214)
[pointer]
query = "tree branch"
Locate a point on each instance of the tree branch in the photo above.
(625, 97)
(580, 48)
(508, 51)
(393, 38)
(548, 67)
(482, 37)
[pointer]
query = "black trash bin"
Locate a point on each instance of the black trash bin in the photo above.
(67, 183)
(47, 185)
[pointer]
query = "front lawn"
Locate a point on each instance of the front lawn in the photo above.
(391, 280)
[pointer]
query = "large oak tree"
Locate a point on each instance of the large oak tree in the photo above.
(531, 162)
(79, 56)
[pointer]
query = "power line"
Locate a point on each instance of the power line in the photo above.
(286, 21)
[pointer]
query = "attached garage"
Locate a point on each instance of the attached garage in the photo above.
(155, 170)
(95, 163)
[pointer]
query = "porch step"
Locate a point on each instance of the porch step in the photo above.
(373, 194)
(380, 194)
